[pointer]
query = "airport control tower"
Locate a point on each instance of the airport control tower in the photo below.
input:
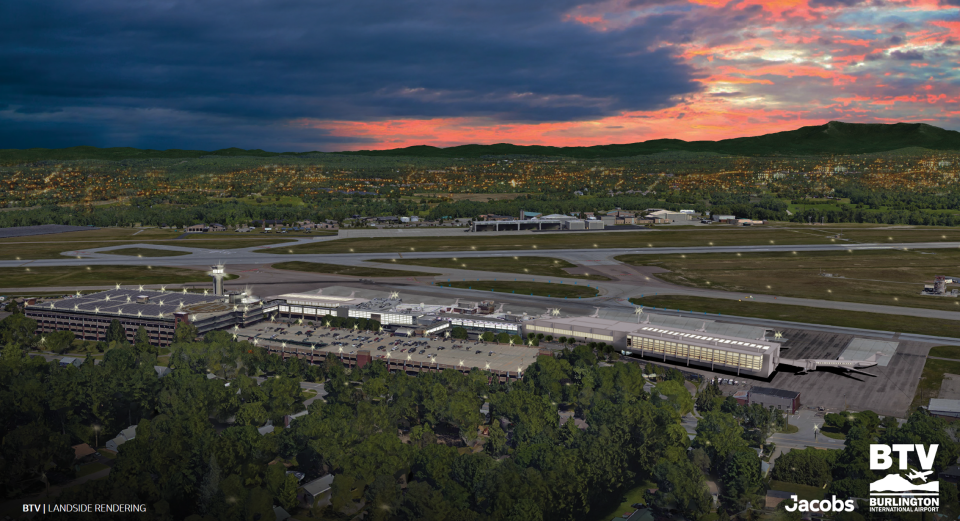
(217, 272)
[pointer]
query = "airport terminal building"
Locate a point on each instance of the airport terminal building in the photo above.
(669, 344)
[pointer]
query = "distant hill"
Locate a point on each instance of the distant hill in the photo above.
(834, 137)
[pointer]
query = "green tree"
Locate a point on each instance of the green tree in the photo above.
(260, 506)
(720, 435)
(681, 486)
(185, 333)
(459, 333)
(677, 395)
(58, 341)
(806, 467)
(497, 441)
(251, 414)
(525, 510)
(115, 333)
(18, 329)
(741, 474)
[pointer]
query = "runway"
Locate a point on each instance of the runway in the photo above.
(628, 281)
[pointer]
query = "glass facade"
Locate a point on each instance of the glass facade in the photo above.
(711, 355)
(568, 332)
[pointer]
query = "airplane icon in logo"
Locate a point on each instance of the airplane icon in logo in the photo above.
(917, 474)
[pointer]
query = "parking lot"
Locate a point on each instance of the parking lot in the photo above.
(415, 350)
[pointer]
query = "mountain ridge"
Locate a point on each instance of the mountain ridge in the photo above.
(831, 138)
(834, 137)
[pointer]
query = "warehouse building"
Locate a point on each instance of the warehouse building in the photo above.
(159, 312)
(516, 225)
(671, 217)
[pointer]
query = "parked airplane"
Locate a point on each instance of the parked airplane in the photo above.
(854, 366)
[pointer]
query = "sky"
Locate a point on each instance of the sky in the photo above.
(300, 75)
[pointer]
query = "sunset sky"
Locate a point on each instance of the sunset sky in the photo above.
(292, 75)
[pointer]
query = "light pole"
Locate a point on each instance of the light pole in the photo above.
(96, 436)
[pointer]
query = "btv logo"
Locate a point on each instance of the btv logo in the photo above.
(904, 492)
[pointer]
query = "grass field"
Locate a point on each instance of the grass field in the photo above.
(353, 271)
(946, 352)
(629, 497)
(833, 432)
(541, 266)
(887, 277)
(51, 246)
(805, 314)
(657, 238)
(226, 242)
(147, 252)
(931, 378)
(97, 276)
(791, 429)
(543, 289)
(802, 491)
(102, 234)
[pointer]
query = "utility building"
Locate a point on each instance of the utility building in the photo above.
(771, 398)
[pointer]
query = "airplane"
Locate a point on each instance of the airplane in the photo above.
(849, 366)
(917, 474)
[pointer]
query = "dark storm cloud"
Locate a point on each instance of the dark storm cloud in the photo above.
(907, 55)
(205, 71)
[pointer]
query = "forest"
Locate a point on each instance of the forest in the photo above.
(399, 447)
